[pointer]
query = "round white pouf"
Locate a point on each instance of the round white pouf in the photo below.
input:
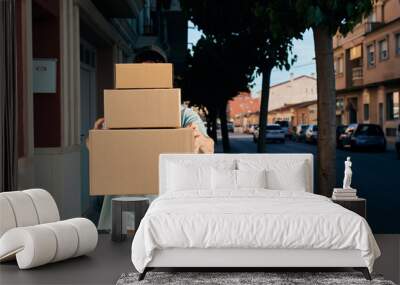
(46, 207)
(52, 242)
(87, 235)
(6, 215)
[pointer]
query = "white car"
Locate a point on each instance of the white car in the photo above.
(285, 125)
(274, 132)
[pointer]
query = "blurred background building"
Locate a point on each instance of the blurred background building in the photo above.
(367, 67)
(243, 111)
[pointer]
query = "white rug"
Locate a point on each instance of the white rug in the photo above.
(243, 278)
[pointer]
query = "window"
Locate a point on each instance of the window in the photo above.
(392, 105)
(371, 55)
(383, 50)
(366, 112)
(372, 17)
(338, 65)
(339, 104)
(397, 37)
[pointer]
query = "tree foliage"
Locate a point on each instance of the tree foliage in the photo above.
(335, 15)
(269, 26)
(216, 74)
(264, 25)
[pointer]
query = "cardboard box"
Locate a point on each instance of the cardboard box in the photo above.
(125, 162)
(143, 75)
(142, 108)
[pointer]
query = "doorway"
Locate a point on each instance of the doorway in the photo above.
(88, 117)
(353, 103)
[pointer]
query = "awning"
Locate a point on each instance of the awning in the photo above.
(355, 52)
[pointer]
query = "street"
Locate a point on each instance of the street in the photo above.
(376, 176)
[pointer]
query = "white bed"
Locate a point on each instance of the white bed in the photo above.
(197, 224)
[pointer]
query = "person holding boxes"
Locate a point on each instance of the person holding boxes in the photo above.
(143, 117)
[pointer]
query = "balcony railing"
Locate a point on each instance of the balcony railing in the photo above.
(357, 75)
(371, 26)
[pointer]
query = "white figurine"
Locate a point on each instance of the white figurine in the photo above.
(348, 173)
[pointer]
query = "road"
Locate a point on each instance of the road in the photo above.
(376, 176)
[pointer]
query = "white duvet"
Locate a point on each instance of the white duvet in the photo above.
(250, 219)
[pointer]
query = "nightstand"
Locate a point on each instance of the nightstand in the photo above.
(358, 206)
(137, 205)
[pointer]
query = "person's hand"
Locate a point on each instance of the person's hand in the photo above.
(195, 128)
(197, 137)
(99, 124)
(202, 144)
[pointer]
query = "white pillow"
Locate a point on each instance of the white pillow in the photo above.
(183, 177)
(292, 179)
(223, 179)
(251, 178)
(282, 173)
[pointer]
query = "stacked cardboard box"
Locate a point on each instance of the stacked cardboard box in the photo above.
(142, 117)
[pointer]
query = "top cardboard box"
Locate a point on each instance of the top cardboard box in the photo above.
(143, 75)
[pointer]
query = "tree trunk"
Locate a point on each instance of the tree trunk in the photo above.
(326, 153)
(224, 128)
(212, 123)
(266, 78)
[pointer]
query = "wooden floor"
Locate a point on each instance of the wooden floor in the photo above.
(110, 259)
(103, 266)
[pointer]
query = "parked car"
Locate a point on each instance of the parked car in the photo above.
(311, 135)
(285, 127)
(340, 129)
(252, 128)
(344, 138)
(230, 126)
(398, 142)
(255, 134)
(364, 136)
(273, 133)
(300, 132)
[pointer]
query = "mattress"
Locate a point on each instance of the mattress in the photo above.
(250, 219)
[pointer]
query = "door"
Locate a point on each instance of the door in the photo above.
(88, 117)
(353, 104)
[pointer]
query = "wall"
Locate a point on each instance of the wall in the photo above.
(300, 89)
(58, 170)
(387, 69)
(104, 74)
(391, 10)
(45, 44)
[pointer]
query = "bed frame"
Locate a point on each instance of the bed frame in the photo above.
(250, 259)
(246, 259)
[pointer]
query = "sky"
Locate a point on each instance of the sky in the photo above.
(305, 64)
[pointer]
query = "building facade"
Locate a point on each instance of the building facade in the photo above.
(295, 90)
(66, 52)
(367, 70)
(295, 114)
(243, 111)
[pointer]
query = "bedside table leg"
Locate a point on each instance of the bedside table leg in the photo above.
(143, 274)
(364, 271)
(116, 224)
